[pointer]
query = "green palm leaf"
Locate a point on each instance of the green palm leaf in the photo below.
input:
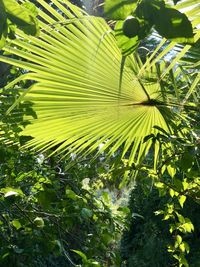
(75, 65)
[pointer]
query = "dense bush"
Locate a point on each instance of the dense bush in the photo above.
(49, 208)
(148, 237)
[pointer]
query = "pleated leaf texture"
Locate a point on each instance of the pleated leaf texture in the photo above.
(74, 67)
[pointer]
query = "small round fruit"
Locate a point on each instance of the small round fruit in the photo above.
(39, 222)
(131, 27)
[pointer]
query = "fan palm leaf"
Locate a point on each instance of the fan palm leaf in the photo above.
(75, 68)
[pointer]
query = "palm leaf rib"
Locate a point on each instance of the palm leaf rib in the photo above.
(75, 93)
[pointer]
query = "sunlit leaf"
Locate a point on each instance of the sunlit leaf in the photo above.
(22, 16)
(182, 200)
(16, 223)
(119, 9)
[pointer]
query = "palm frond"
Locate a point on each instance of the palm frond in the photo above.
(75, 69)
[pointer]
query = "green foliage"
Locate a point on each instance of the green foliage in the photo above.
(13, 15)
(148, 237)
(169, 22)
(172, 192)
(49, 210)
(175, 25)
(119, 9)
(146, 241)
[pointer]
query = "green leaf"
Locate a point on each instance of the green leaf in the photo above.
(188, 226)
(185, 184)
(172, 24)
(179, 239)
(159, 185)
(166, 217)
(23, 17)
(180, 218)
(161, 130)
(182, 200)
(106, 198)
(170, 208)
(81, 254)
(171, 170)
(70, 194)
(91, 263)
(126, 44)
(171, 192)
(31, 7)
(183, 261)
(10, 192)
(16, 224)
(107, 238)
(126, 211)
(187, 160)
(182, 247)
(119, 9)
(148, 10)
(187, 247)
(128, 34)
